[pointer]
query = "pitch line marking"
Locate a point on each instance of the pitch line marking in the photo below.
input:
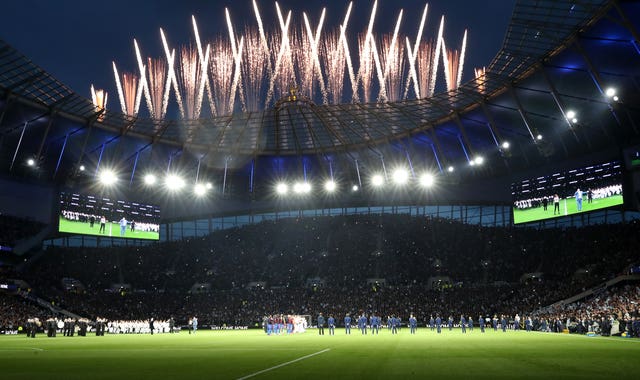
(283, 364)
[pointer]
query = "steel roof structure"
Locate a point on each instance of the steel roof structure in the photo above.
(557, 56)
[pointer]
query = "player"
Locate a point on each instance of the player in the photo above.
(503, 322)
(578, 195)
(194, 324)
(528, 324)
(374, 320)
(394, 324)
(438, 323)
(463, 324)
(347, 324)
(332, 325)
(470, 324)
(103, 222)
(494, 322)
(516, 322)
(556, 204)
(432, 323)
(481, 321)
(450, 323)
(413, 324)
(320, 324)
(362, 324)
(123, 226)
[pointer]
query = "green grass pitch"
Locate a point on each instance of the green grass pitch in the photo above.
(111, 229)
(252, 354)
(567, 207)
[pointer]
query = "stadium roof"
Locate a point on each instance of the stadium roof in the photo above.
(557, 56)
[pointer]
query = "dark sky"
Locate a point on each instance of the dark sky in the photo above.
(76, 40)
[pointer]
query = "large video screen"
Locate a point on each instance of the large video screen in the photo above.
(567, 192)
(100, 216)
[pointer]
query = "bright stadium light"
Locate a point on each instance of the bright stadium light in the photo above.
(306, 187)
(610, 92)
(400, 176)
(450, 169)
(539, 137)
(282, 188)
(472, 163)
(505, 145)
(31, 162)
(355, 188)
(615, 98)
(209, 186)
(377, 180)
(107, 177)
(149, 179)
(574, 120)
(330, 186)
(199, 189)
(427, 180)
(571, 114)
(173, 182)
(479, 160)
(81, 168)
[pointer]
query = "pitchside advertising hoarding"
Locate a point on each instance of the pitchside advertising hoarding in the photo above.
(567, 192)
(103, 216)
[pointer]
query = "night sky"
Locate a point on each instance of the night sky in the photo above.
(76, 41)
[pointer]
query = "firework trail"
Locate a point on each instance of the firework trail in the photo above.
(479, 74)
(314, 42)
(394, 63)
(334, 62)
(282, 72)
(221, 71)
(436, 56)
(204, 59)
(129, 92)
(255, 67)
(99, 99)
(172, 79)
(191, 81)
(453, 64)
(157, 74)
(413, 55)
(425, 66)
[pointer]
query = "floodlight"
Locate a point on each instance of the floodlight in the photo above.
(209, 186)
(450, 169)
(173, 182)
(377, 180)
(400, 176)
(282, 188)
(472, 163)
(505, 145)
(615, 98)
(81, 168)
(427, 180)
(539, 137)
(571, 114)
(199, 189)
(355, 188)
(31, 162)
(108, 177)
(305, 187)
(574, 120)
(149, 179)
(330, 186)
(479, 160)
(610, 92)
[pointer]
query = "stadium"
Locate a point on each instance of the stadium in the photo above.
(319, 191)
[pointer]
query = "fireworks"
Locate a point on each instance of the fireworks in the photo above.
(251, 68)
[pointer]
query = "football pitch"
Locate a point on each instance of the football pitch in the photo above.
(567, 207)
(254, 355)
(111, 229)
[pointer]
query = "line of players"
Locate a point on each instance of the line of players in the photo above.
(279, 324)
(393, 323)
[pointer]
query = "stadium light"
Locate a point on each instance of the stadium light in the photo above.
(610, 92)
(209, 186)
(472, 163)
(107, 177)
(571, 114)
(574, 120)
(82, 168)
(427, 180)
(282, 188)
(173, 182)
(479, 160)
(539, 137)
(302, 187)
(450, 169)
(149, 179)
(377, 180)
(400, 176)
(31, 162)
(355, 188)
(615, 98)
(306, 187)
(199, 189)
(330, 186)
(505, 145)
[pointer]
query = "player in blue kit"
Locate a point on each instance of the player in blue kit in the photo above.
(481, 321)
(394, 325)
(450, 323)
(375, 324)
(347, 324)
(439, 324)
(470, 324)
(463, 324)
(494, 322)
(332, 325)
(528, 324)
(503, 322)
(362, 324)
(432, 323)
(320, 324)
(413, 324)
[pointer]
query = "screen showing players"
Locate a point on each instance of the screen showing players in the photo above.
(92, 215)
(567, 192)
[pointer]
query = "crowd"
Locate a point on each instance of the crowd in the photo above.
(328, 264)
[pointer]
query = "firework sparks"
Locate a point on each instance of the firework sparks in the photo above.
(99, 99)
(249, 68)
